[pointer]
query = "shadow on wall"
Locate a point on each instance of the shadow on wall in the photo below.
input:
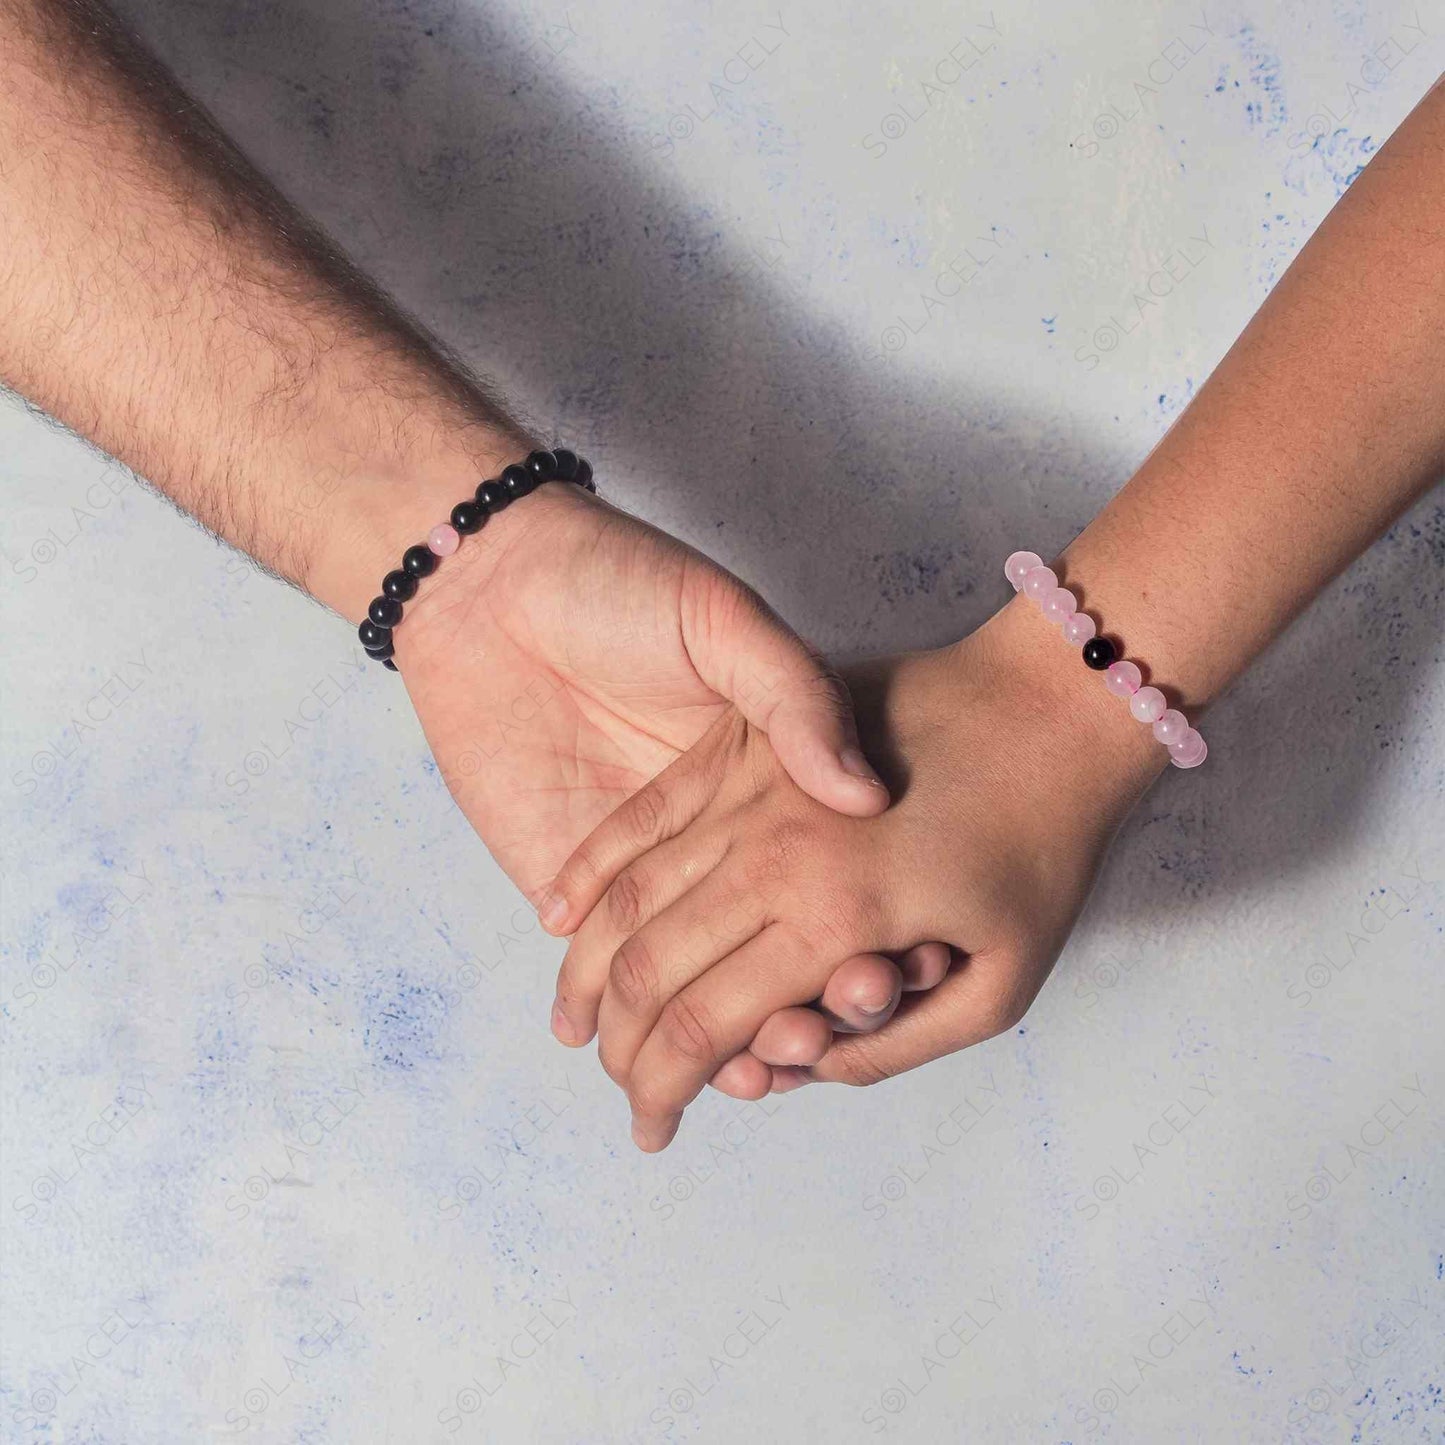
(514, 204)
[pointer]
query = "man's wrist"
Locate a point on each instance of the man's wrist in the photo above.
(363, 514)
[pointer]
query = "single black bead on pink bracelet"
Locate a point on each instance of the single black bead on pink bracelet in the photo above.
(1028, 575)
(419, 561)
(380, 654)
(566, 463)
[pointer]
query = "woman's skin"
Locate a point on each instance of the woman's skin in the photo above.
(1322, 424)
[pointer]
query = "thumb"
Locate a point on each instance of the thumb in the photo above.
(974, 1002)
(745, 652)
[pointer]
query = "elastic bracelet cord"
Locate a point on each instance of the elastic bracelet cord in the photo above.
(1027, 574)
(558, 465)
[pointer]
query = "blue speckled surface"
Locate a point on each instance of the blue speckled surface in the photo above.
(287, 1150)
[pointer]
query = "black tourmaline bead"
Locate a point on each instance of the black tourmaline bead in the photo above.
(468, 517)
(419, 561)
(1099, 653)
(401, 585)
(384, 611)
(566, 464)
(387, 663)
(380, 654)
(541, 465)
(373, 636)
(584, 475)
(493, 496)
(518, 481)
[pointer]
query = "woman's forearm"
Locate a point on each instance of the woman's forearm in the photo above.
(1322, 424)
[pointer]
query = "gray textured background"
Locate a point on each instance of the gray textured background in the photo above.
(288, 1152)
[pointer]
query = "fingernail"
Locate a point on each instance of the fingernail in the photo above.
(872, 1010)
(552, 910)
(852, 761)
(562, 1025)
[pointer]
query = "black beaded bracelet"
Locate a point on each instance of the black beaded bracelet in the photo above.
(558, 465)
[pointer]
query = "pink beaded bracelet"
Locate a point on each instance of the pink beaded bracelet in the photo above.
(1027, 574)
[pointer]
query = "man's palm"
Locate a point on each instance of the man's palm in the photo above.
(575, 652)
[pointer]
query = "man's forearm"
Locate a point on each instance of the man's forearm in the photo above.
(1322, 424)
(164, 301)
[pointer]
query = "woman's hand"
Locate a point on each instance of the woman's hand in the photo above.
(720, 894)
(571, 652)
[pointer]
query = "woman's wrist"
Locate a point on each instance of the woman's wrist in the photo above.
(1063, 709)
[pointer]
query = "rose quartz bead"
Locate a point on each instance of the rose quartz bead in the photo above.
(1190, 751)
(1187, 744)
(1019, 565)
(1123, 679)
(1147, 704)
(1079, 628)
(1039, 582)
(444, 540)
(1170, 726)
(1059, 605)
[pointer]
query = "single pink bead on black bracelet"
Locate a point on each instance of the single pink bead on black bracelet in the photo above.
(1027, 574)
(516, 481)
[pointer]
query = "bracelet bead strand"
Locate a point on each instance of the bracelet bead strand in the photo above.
(467, 517)
(1027, 574)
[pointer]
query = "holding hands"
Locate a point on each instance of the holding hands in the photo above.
(715, 903)
(164, 300)
(561, 659)
(719, 899)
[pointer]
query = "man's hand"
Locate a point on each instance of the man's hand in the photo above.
(570, 652)
(165, 301)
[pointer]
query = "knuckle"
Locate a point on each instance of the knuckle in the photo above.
(827, 688)
(646, 815)
(687, 1031)
(859, 1064)
(633, 975)
(577, 874)
(810, 686)
(625, 900)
